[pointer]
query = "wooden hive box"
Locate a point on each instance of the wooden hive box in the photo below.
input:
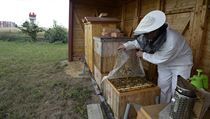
(105, 52)
(93, 27)
(118, 101)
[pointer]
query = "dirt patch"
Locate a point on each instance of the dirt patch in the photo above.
(75, 70)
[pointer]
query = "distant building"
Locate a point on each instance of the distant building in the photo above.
(32, 17)
(7, 24)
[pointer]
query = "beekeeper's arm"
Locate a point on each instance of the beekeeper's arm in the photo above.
(132, 45)
(166, 53)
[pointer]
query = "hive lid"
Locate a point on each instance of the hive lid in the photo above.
(100, 19)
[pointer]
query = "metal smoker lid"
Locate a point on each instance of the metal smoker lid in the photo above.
(185, 88)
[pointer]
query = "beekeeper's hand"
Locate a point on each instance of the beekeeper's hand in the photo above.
(121, 48)
(139, 54)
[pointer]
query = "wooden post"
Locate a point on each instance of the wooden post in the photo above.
(136, 20)
(161, 5)
(123, 15)
(198, 34)
(70, 32)
(139, 10)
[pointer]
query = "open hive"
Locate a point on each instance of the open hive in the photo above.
(121, 91)
(130, 84)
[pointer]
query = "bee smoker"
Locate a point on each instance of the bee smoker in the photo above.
(183, 101)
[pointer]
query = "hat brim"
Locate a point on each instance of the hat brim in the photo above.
(152, 21)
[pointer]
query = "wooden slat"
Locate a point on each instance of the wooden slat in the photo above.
(94, 111)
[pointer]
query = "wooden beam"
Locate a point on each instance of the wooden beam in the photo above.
(162, 5)
(186, 27)
(139, 9)
(123, 15)
(178, 11)
(198, 34)
(135, 18)
(70, 32)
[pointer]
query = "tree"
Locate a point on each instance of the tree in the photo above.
(31, 29)
(56, 33)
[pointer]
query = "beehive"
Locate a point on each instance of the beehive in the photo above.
(105, 52)
(143, 94)
(93, 27)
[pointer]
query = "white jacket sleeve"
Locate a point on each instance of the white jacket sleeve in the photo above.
(131, 45)
(166, 53)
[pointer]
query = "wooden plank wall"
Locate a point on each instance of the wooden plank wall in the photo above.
(189, 17)
(80, 11)
(180, 15)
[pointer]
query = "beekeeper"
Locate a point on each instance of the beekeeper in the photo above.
(161, 45)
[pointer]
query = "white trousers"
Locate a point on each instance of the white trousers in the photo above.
(167, 80)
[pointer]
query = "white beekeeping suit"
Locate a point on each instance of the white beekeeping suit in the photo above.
(173, 58)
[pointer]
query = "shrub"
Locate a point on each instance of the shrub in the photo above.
(30, 29)
(56, 33)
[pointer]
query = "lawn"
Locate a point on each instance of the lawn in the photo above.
(33, 84)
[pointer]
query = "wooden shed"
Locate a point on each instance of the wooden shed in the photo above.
(189, 17)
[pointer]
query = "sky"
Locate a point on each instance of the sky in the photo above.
(46, 10)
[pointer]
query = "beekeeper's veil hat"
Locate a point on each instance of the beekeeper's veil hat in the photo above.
(151, 21)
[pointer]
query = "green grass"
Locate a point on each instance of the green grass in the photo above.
(25, 56)
(33, 85)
